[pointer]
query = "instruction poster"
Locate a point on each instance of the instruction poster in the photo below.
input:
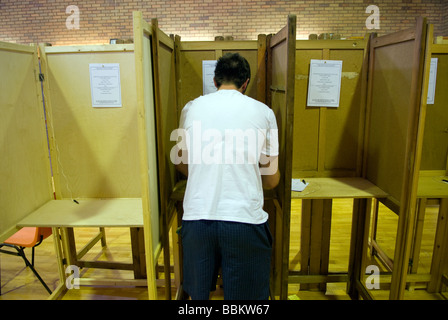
(324, 85)
(105, 85)
(208, 73)
(432, 81)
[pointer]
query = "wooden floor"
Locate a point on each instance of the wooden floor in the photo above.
(19, 283)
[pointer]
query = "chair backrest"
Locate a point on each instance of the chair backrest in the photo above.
(44, 232)
(29, 236)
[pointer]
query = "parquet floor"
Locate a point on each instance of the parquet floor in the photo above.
(19, 283)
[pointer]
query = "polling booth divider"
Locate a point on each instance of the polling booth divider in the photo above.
(273, 73)
(367, 149)
(88, 136)
(433, 182)
(25, 166)
(191, 56)
(432, 190)
(393, 139)
(78, 108)
(327, 154)
(147, 124)
(280, 97)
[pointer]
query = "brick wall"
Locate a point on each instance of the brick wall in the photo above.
(27, 21)
(444, 27)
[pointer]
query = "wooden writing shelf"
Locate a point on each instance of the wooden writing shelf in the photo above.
(333, 188)
(116, 212)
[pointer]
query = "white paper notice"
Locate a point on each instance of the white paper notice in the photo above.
(208, 73)
(105, 84)
(324, 85)
(432, 81)
(298, 185)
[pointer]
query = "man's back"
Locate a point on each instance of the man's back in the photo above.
(227, 133)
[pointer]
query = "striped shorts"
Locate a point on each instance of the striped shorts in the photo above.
(241, 250)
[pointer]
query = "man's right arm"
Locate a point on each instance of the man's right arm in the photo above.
(270, 175)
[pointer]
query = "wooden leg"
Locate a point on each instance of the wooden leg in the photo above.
(69, 246)
(374, 225)
(325, 247)
(166, 256)
(418, 234)
(57, 241)
(315, 246)
(103, 237)
(138, 253)
(175, 239)
(362, 209)
(180, 295)
(439, 265)
(270, 208)
(305, 240)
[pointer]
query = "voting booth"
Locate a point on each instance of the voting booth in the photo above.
(75, 157)
(87, 131)
(433, 182)
(366, 148)
(397, 103)
(432, 190)
(329, 125)
(271, 59)
(93, 124)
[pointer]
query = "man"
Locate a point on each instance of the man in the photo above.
(229, 154)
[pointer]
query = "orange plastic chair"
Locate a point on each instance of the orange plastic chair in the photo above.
(27, 237)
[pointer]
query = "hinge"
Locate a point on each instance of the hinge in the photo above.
(41, 77)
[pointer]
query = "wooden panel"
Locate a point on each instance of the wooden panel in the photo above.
(281, 99)
(147, 145)
(395, 111)
(391, 109)
(435, 142)
(24, 167)
(190, 65)
(306, 120)
(343, 123)
(166, 120)
(96, 149)
(328, 141)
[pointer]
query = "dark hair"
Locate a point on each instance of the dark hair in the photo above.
(232, 68)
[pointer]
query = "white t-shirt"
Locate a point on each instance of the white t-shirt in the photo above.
(226, 132)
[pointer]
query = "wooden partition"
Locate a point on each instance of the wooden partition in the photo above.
(281, 62)
(189, 57)
(434, 168)
(328, 154)
(165, 94)
(328, 141)
(394, 132)
(100, 160)
(95, 149)
(147, 130)
(431, 187)
(192, 53)
(25, 167)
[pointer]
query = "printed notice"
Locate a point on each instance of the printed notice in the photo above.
(432, 81)
(324, 85)
(105, 85)
(208, 73)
